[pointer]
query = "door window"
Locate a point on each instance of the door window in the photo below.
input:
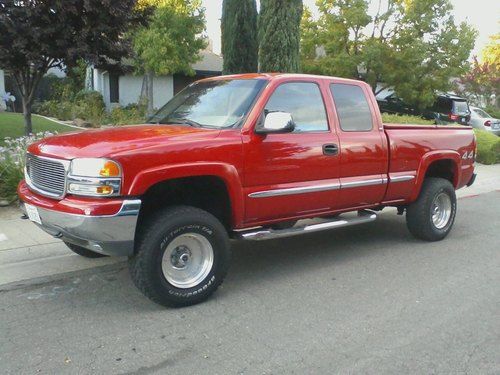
(352, 107)
(305, 103)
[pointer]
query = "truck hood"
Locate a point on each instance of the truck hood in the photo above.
(117, 140)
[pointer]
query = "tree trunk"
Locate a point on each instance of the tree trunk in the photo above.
(149, 90)
(28, 127)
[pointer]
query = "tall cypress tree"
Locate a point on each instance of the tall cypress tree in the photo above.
(239, 36)
(279, 35)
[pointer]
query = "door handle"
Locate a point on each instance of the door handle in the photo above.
(330, 149)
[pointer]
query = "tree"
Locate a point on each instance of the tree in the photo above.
(279, 35)
(38, 35)
(172, 40)
(239, 36)
(414, 47)
(481, 83)
(491, 53)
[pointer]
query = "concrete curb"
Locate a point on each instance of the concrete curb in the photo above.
(59, 122)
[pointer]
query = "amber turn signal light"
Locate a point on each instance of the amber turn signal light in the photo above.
(110, 169)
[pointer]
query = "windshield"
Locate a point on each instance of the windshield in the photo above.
(219, 104)
(481, 113)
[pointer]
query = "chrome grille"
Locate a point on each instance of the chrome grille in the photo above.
(47, 176)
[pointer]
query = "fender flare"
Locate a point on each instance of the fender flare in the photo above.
(429, 158)
(226, 172)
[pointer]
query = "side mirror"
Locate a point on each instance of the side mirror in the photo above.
(276, 122)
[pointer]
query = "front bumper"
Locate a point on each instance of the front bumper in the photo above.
(105, 234)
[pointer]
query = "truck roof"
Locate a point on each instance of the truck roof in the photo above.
(272, 76)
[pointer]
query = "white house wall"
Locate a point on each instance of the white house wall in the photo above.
(2, 90)
(130, 89)
(163, 90)
(2, 82)
(105, 89)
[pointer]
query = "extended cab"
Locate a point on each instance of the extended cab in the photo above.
(246, 157)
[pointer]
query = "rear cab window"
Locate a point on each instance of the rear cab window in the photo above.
(352, 107)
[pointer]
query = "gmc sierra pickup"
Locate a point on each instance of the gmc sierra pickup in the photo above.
(244, 157)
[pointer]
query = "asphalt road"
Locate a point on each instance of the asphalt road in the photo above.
(360, 300)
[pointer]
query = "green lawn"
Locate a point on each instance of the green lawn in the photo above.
(12, 125)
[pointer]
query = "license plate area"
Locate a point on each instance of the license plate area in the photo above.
(32, 213)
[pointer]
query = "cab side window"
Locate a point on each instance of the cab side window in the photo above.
(352, 107)
(305, 103)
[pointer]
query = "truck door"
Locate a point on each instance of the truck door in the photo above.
(293, 174)
(363, 147)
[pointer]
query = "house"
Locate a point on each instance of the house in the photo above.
(120, 86)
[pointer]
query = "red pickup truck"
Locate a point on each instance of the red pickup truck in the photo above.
(245, 157)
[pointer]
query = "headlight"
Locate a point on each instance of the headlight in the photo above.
(94, 177)
(91, 167)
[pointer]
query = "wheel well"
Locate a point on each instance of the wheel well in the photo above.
(444, 168)
(208, 193)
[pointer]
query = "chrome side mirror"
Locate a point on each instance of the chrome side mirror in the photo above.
(276, 122)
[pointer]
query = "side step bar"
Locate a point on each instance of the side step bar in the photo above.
(258, 234)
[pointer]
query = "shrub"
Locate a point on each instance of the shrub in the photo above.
(87, 105)
(12, 162)
(405, 119)
(61, 110)
(493, 111)
(131, 114)
(488, 147)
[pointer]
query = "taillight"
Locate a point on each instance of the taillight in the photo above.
(453, 117)
(487, 123)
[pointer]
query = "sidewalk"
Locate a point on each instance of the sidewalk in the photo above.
(27, 252)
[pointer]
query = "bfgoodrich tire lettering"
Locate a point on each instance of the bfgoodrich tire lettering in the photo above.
(419, 215)
(155, 236)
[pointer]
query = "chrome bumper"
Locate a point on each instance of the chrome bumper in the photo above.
(109, 235)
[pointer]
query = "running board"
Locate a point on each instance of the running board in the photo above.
(258, 234)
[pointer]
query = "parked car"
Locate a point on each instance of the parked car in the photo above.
(481, 120)
(446, 109)
(243, 157)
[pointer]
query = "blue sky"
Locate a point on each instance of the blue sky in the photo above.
(484, 15)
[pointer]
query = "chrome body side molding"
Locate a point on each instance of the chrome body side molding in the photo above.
(326, 187)
(295, 190)
(360, 183)
(401, 178)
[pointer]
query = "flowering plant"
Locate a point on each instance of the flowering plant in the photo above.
(12, 163)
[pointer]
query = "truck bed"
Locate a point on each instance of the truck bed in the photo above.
(412, 148)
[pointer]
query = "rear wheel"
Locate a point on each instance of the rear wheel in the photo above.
(182, 256)
(83, 251)
(432, 215)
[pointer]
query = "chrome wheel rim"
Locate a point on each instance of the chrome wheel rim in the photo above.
(441, 210)
(187, 260)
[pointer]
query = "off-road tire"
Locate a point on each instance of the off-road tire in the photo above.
(419, 213)
(83, 251)
(156, 233)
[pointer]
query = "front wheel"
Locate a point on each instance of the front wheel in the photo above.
(432, 215)
(182, 256)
